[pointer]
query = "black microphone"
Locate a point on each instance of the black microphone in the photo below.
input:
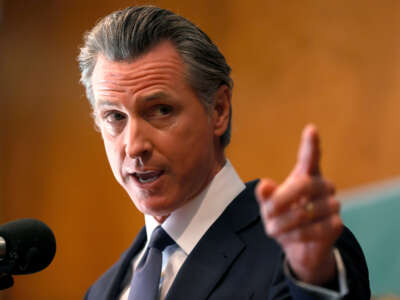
(26, 246)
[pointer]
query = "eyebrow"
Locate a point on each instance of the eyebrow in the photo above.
(102, 102)
(154, 96)
(144, 98)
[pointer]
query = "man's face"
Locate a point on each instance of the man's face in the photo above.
(161, 143)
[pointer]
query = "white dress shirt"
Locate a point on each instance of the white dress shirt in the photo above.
(189, 223)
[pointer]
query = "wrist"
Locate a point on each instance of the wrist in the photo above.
(320, 274)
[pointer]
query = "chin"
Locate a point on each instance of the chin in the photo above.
(155, 208)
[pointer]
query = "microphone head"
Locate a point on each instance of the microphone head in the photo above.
(30, 246)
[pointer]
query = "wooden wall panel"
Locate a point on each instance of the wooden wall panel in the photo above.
(334, 63)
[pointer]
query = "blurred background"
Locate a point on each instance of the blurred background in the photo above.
(335, 63)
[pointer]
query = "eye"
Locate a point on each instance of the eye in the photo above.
(112, 122)
(159, 111)
(114, 117)
(163, 109)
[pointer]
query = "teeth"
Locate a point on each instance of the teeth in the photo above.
(143, 180)
(147, 177)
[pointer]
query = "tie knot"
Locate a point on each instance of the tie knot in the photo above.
(160, 239)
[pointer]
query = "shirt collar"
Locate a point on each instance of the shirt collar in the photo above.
(189, 223)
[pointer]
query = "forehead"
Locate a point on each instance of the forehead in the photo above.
(162, 65)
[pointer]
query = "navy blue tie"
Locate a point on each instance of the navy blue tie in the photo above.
(146, 278)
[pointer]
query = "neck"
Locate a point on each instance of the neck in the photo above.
(221, 160)
(160, 219)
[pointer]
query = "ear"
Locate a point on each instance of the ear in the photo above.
(221, 110)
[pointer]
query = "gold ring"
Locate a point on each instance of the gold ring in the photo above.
(310, 210)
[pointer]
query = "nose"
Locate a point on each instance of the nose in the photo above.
(137, 140)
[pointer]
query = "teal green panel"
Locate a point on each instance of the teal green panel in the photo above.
(374, 219)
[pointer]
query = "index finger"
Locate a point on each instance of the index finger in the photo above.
(309, 153)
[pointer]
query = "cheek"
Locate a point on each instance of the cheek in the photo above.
(113, 155)
(181, 140)
(190, 145)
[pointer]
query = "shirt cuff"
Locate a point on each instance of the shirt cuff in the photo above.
(319, 292)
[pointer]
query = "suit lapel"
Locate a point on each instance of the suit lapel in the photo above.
(112, 286)
(216, 251)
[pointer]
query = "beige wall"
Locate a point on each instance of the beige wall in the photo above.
(335, 63)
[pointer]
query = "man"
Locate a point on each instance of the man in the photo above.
(161, 96)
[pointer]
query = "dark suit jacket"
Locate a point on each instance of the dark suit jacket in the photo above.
(236, 260)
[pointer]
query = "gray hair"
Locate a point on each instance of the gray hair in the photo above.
(131, 32)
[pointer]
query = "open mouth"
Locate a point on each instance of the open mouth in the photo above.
(147, 176)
